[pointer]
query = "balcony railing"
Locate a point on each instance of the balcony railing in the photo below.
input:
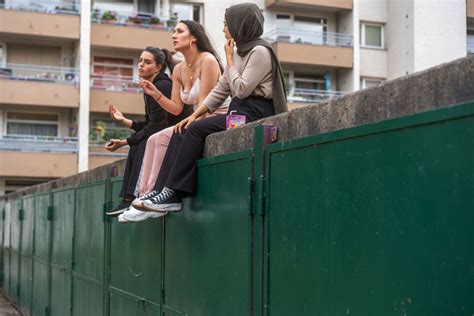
(114, 83)
(470, 45)
(30, 143)
(312, 95)
(45, 6)
(39, 73)
(298, 36)
(137, 19)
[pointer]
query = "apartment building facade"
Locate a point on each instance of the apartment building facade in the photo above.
(60, 69)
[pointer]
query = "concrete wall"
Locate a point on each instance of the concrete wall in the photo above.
(373, 10)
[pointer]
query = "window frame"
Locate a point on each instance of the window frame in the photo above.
(3, 57)
(362, 35)
(364, 80)
(7, 120)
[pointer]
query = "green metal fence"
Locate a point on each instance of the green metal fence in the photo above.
(372, 220)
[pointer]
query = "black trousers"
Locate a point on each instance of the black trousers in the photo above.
(132, 169)
(179, 168)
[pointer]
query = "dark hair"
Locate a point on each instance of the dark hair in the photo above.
(162, 57)
(203, 42)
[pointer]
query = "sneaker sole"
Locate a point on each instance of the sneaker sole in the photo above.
(171, 207)
(115, 213)
(140, 219)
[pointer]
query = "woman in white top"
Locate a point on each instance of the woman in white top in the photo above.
(193, 79)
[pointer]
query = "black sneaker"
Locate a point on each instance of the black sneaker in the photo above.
(119, 209)
(168, 200)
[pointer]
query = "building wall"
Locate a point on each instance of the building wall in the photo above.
(399, 34)
(439, 32)
(373, 10)
(373, 63)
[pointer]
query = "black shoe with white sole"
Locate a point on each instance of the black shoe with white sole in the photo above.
(119, 209)
(168, 200)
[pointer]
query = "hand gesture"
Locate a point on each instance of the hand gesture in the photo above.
(115, 114)
(181, 126)
(149, 88)
(229, 49)
(114, 144)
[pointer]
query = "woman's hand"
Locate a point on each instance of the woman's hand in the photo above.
(115, 114)
(114, 144)
(229, 52)
(181, 126)
(149, 88)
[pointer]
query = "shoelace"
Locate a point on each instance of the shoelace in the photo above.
(149, 195)
(165, 194)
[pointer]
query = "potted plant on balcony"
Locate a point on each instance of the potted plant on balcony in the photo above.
(109, 16)
(173, 20)
(95, 16)
(135, 19)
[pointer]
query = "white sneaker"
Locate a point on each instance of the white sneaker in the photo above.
(122, 220)
(139, 200)
(134, 215)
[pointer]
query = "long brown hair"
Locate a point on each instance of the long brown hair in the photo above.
(203, 42)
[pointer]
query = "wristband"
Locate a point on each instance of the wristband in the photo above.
(158, 99)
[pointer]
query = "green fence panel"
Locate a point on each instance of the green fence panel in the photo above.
(15, 235)
(2, 231)
(87, 297)
(61, 253)
(41, 257)
(61, 287)
(63, 227)
(375, 220)
(41, 239)
(135, 261)
(126, 305)
(89, 230)
(40, 297)
(6, 248)
(207, 257)
(26, 254)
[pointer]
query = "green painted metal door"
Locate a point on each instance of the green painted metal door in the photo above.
(207, 245)
(26, 254)
(41, 246)
(375, 220)
(88, 267)
(61, 253)
(6, 248)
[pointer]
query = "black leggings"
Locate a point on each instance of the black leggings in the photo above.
(179, 167)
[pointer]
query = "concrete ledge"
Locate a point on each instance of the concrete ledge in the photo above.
(438, 87)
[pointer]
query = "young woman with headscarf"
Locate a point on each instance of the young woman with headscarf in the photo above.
(253, 78)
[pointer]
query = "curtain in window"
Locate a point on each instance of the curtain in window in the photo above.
(373, 36)
(14, 128)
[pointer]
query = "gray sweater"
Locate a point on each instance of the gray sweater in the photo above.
(251, 75)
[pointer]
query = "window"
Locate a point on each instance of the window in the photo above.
(188, 12)
(301, 29)
(371, 35)
(370, 82)
(470, 41)
(32, 124)
(113, 73)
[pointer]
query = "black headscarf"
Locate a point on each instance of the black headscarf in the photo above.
(245, 25)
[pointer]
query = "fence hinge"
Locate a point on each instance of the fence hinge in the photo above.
(251, 194)
(18, 290)
(21, 214)
(50, 213)
(3, 214)
(261, 195)
(47, 311)
(162, 295)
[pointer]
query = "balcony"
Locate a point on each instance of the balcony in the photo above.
(121, 91)
(57, 19)
(302, 47)
(47, 86)
(329, 5)
(110, 28)
(37, 156)
(99, 156)
(470, 9)
(311, 96)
